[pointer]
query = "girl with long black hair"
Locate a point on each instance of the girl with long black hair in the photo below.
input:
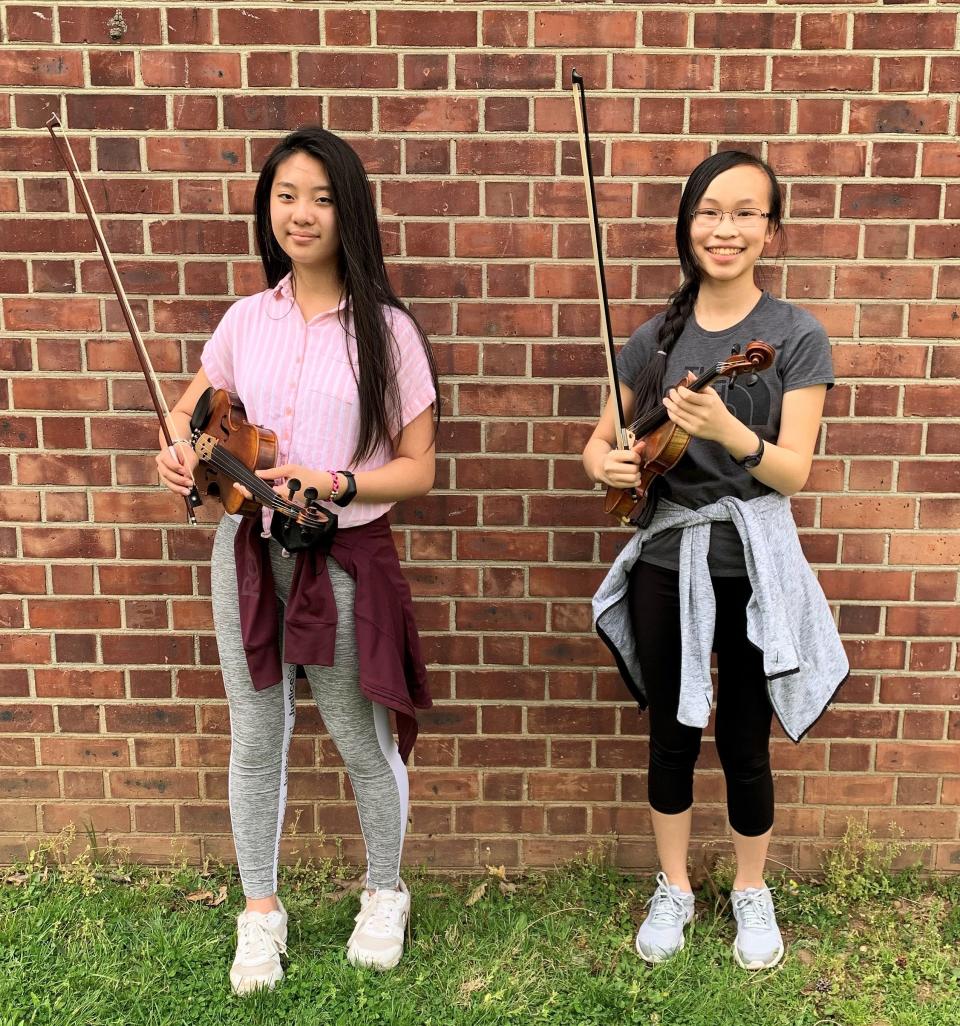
(719, 566)
(329, 359)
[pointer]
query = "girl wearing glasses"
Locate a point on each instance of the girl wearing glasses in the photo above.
(719, 566)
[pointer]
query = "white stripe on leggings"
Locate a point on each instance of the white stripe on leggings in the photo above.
(289, 716)
(381, 720)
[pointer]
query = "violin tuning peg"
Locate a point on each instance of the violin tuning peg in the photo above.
(293, 486)
(750, 380)
(735, 350)
(310, 496)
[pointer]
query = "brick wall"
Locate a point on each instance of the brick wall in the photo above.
(112, 709)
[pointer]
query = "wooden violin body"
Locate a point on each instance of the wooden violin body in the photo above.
(664, 442)
(222, 417)
(231, 449)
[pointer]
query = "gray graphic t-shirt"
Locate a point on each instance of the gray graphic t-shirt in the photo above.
(706, 472)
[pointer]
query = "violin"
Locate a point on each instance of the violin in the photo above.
(666, 442)
(230, 449)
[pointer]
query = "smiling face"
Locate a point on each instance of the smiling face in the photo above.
(727, 251)
(302, 213)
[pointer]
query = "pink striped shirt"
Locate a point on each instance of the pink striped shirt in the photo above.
(296, 378)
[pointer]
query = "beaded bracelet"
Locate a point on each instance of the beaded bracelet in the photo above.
(334, 484)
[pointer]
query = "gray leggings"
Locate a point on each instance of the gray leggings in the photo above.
(261, 726)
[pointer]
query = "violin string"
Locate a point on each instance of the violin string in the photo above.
(224, 460)
(238, 471)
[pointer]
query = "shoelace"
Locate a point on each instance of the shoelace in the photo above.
(666, 908)
(382, 914)
(254, 940)
(753, 910)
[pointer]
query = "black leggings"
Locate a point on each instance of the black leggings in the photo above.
(743, 718)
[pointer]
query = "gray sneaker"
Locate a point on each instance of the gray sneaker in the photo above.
(758, 944)
(661, 935)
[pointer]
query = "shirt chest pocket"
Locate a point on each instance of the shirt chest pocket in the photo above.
(329, 402)
(332, 388)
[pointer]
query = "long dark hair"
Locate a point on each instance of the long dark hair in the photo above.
(649, 388)
(366, 287)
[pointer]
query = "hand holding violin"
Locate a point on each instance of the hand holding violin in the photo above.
(621, 467)
(701, 414)
(278, 476)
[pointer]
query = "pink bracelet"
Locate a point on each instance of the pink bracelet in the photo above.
(334, 484)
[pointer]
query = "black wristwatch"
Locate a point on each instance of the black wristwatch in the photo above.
(752, 459)
(350, 493)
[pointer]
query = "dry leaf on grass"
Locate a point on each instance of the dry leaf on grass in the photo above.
(344, 888)
(16, 879)
(208, 898)
(497, 871)
(476, 894)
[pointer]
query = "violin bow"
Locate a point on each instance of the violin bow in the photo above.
(65, 150)
(625, 437)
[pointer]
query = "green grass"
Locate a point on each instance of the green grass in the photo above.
(90, 942)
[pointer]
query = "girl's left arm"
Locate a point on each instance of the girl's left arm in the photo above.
(786, 465)
(409, 474)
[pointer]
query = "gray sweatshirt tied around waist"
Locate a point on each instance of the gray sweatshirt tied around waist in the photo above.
(788, 618)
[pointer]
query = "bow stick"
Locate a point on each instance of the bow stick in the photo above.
(65, 150)
(625, 437)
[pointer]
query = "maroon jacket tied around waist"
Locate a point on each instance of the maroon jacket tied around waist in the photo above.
(392, 672)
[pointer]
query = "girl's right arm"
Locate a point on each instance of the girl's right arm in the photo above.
(603, 459)
(176, 463)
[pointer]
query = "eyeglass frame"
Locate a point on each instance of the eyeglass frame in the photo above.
(723, 214)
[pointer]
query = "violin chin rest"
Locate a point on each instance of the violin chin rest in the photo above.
(201, 411)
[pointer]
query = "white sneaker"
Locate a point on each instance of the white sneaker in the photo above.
(759, 944)
(377, 939)
(261, 940)
(661, 935)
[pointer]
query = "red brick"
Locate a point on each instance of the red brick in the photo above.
(91, 25)
(663, 71)
(239, 26)
(926, 116)
(174, 69)
(909, 31)
(865, 201)
(504, 28)
(429, 114)
(614, 29)
(55, 68)
(739, 115)
(726, 30)
(491, 157)
(491, 71)
(805, 158)
(822, 73)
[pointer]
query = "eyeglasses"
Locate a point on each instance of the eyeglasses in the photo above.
(742, 217)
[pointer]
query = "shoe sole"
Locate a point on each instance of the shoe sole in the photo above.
(247, 984)
(757, 964)
(354, 958)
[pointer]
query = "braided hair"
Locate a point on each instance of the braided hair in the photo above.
(649, 389)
